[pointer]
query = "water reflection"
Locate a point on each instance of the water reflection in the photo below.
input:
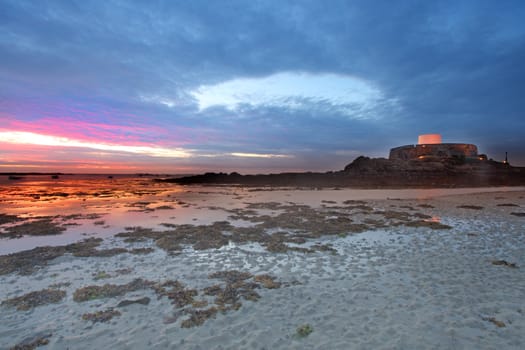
(89, 205)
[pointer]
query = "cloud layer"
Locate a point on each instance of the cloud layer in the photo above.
(305, 85)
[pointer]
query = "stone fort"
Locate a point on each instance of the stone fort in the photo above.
(430, 146)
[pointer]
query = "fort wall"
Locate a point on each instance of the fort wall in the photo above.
(442, 150)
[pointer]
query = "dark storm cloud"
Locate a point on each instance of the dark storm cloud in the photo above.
(453, 67)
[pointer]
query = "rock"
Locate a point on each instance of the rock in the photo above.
(504, 263)
(383, 173)
(126, 302)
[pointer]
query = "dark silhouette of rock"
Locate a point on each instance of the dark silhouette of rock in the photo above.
(126, 302)
(365, 172)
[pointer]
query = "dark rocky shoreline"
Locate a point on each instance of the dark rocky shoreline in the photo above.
(366, 172)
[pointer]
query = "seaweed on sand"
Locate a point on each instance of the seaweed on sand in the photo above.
(109, 290)
(35, 228)
(392, 214)
(100, 253)
(141, 301)
(504, 263)
(362, 207)
(297, 223)
(179, 295)
(101, 316)
(141, 251)
(200, 237)
(293, 223)
(213, 290)
(199, 304)
(27, 261)
(375, 223)
(36, 298)
(83, 247)
(238, 286)
(429, 224)
(227, 297)
(354, 202)
(230, 276)
(7, 219)
(276, 246)
(495, 321)
(164, 207)
(59, 285)
(87, 247)
(425, 205)
(472, 207)
(323, 248)
(304, 330)
(198, 317)
(101, 275)
(267, 281)
(33, 342)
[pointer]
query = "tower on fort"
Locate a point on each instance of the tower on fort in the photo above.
(431, 146)
(429, 139)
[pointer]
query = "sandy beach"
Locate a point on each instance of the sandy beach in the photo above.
(133, 264)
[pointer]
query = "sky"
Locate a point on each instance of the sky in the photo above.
(254, 86)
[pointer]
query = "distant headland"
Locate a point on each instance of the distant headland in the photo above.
(429, 163)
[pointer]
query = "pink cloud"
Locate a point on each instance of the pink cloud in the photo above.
(90, 123)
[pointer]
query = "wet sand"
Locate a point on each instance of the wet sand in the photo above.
(232, 267)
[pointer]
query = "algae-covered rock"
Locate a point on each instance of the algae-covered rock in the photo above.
(27, 261)
(267, 281)
(109, 290)
(176, 292)
(504, 263)
(198, 317)
(304, 330)
(101, 316)
(99, 275)
(7, 219)
(34, 299)
(429, 224)
(141, 301)
(231, 276)
(472, 207)
(40, 227)
(496, 322)
(33, 341)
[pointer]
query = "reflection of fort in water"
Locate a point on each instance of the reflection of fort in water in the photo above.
(430, 146)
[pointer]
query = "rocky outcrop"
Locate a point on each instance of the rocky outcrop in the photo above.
(368, 172)
(434, 172)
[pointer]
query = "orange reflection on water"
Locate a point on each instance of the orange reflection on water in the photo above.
(100, 206)
(434, 219)
(47, 196)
